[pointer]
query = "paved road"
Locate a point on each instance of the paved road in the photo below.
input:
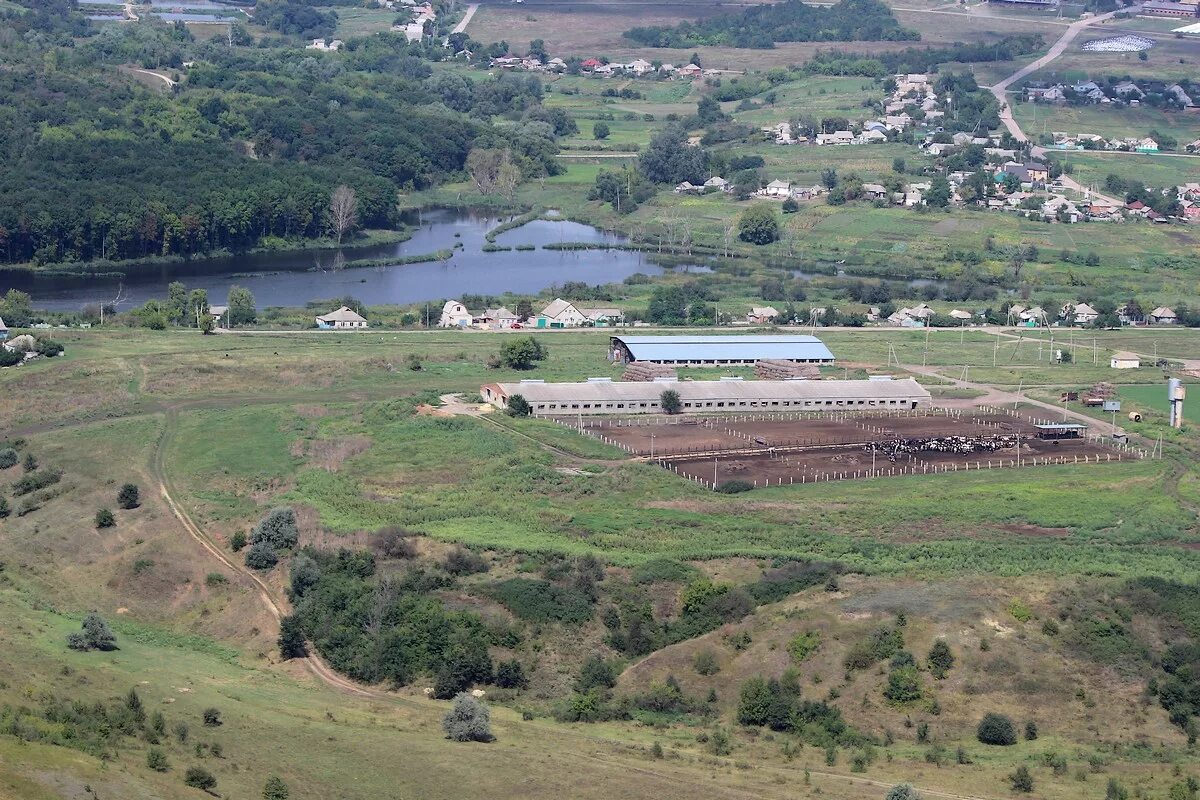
(462, 24)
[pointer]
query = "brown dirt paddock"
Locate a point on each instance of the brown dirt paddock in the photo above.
(800, 447)
(683, 435)
(848, 463)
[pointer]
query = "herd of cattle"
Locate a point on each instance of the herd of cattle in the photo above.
(957, 445)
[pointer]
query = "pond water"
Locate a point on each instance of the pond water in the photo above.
(297, 277)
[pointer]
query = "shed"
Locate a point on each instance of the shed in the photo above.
(695, 351)
(1125, 361)
(1061, 430)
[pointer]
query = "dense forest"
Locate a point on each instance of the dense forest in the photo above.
(922, 59)
(247, 147)
(790, 21)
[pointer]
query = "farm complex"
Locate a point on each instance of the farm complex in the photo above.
(709, 351)
(603, 396)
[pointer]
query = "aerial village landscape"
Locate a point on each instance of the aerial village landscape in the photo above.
(524, 399)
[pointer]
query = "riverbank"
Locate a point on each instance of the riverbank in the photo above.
(105, 268)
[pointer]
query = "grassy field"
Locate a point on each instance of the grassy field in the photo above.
(363, 21)
(348, 449)
(1091, 169)
(1036, 118)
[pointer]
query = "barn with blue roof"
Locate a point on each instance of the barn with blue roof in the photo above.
(717, 351)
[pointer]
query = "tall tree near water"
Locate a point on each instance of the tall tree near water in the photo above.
(343, 211)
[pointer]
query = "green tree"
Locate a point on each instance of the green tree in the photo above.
(262, 555)
(1031, 731)
(669, 401)
(8, 458)
(275, 789)
(177, 303)
(903, 791)
(197, 307)
(278, 528)
(1021, 780)
(600, 130)
(996, 729)
(237, 541)
(706, 663)
(127, 497)
(524, 309)
(904, 685)
(291, 638)
(105, 518)
(669, 159)
(4, 509)
(758, 225)
(522, 353)
(241, 307)
(157, 760)
(30, 463)
(829, 178)
(940, 659)
(200, 778)
(754, 702)
(939, 192)
(518, 406)
(468, 720)
(16, 308)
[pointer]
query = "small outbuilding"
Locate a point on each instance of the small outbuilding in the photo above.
(1125, 361)
(3, 330)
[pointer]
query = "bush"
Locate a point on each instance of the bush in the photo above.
(522, 353)
(706, 663)
(157, 760)
(8, 358)
(904, 685)
(596, 673)
(237, 541)
(735, 487)
(393, 542)
(4, 509)
(940, 659)
(261, 555)
(105, 518)
(758, 225)
(1031, 731)
(542, 601)
(215, 579)
(1021, 780)
(468, 720)
(35, 480)
(461, 561)
(518, 406)
(903, 791)
(49, 348)
(30, 463)
(200, 778)
(128, 498)
(996, 729)
(212, 718)
(8, 458)
(511, 675)
(278, 528)
(275, 789)
(803, 645)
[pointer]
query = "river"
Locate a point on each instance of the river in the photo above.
(297, 277)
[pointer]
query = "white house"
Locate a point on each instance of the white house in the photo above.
(341, 319)
(1080, 314)
(781, 189)
(321, 44)
(639, 66)
(717, 182)
(561, 314)
(1125, 361)
(496, 318)
(454, 315)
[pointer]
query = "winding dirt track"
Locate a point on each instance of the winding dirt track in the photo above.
(278, 607)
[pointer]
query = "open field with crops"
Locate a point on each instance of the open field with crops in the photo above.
(1038, 118)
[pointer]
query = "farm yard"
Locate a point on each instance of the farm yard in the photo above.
(805, 447)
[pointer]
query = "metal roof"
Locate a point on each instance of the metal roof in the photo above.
(734, 348)
(1060, 426)
(692, 391)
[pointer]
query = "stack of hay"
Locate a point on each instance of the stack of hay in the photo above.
(643, 372)
(773, 369)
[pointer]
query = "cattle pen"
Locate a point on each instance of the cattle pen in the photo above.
(777, 449)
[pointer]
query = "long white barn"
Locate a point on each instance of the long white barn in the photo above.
(603, 396)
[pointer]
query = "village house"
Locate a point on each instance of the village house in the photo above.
(343, 318)
(689, 71)
(495, 319)
(1079, 313)
(836, 138)
(719, 183)
(687, 187)
(874, 191)
(871, 137)
(639, 67)
(778, 189)
(762, 315)
(1162, 316)
(604, 316)
(320, 44)
(3, 330)
(561, 314)
(959, 314)
(454, 315)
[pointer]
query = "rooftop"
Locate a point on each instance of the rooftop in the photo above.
(734, 348)
(691, 391)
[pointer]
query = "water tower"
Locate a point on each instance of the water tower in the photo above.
(1175, 394)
